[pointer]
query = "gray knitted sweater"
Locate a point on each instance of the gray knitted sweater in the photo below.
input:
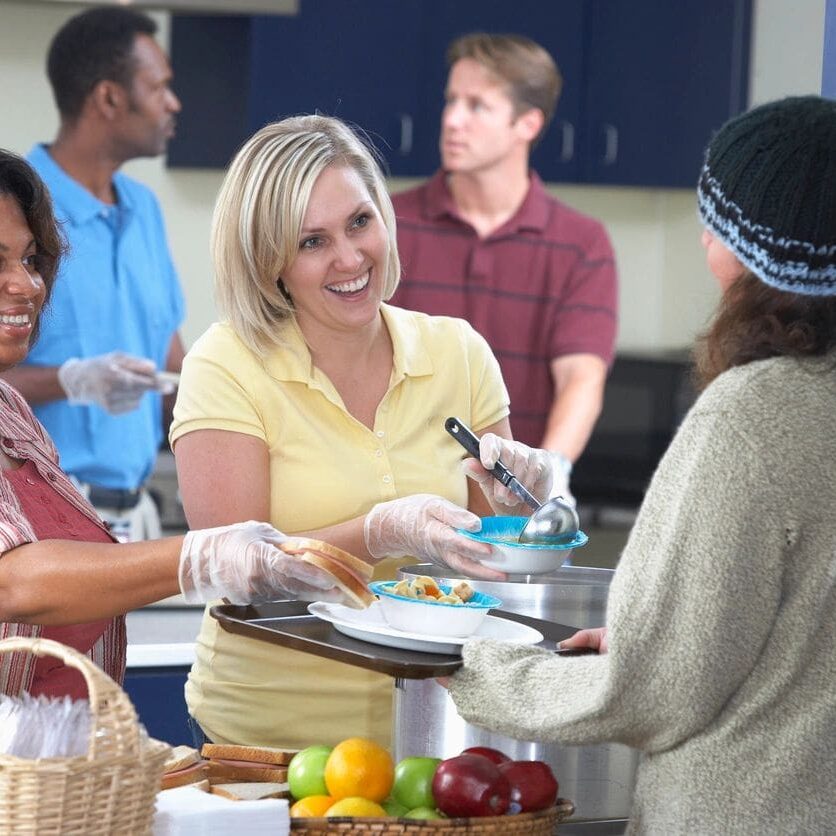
(722, 623)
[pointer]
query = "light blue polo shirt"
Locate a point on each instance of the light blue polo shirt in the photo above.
(117, 290)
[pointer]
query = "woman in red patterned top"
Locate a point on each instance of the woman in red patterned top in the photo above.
(62, 575)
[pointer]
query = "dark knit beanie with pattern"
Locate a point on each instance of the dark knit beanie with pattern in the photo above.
(767, 190)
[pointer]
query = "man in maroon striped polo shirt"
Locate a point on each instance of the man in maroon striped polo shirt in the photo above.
(483, 240)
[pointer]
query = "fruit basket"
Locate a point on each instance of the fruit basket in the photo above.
(541, 823)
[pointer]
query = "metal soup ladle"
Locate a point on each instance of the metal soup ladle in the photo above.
(553, 521)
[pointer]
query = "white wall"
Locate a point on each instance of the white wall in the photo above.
(666, 292)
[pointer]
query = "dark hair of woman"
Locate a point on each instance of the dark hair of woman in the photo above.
(19, 181)
(756, 321)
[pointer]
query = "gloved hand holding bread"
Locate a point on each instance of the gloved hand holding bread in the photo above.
(252, 562)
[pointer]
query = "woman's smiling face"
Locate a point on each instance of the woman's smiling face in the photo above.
(22, 290)
(336, 280)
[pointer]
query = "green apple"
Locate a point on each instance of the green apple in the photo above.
(413, 785)
(306, 772)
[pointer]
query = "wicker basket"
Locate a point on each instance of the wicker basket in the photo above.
(111, 789)
(542, 823)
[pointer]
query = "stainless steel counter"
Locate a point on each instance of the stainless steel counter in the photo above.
(163, 625)
(162, 636)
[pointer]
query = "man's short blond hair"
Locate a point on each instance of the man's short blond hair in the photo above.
(259, 213)
(528, 70)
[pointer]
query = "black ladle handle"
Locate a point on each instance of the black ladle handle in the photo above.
(465, 436)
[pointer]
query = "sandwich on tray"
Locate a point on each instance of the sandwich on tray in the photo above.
(350, 574)
(252, 764)
(185, 766)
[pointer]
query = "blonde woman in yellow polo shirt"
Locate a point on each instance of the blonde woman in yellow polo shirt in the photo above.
(317, 407)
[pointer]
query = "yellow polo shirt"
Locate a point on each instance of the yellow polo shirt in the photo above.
(326, 467)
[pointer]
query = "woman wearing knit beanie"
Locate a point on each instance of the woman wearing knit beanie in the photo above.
(718, 661)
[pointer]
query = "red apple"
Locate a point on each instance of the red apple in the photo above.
(493, 755)
(471, 785)
(533, 785)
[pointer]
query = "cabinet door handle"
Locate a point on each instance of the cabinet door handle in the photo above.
(567, 142)
(406, 135)
(611, 146)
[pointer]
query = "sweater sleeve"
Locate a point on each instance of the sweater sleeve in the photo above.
(690, 609)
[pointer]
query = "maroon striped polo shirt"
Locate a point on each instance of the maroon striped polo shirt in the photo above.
(541, 286)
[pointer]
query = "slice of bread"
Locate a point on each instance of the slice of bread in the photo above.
(298, 545)
(180, 758)
(222, 771)
(252, 790)
(357, 593)
(350, 574)
(192, 774)
(251, 754)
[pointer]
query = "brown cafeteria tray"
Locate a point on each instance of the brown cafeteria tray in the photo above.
(289, 624)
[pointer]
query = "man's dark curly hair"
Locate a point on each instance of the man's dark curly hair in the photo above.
(19, 181)
(94, 46)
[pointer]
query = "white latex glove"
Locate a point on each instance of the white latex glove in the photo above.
(243, 564)
(115, 381)
(561, 471)
(423, 526)
(531, 466)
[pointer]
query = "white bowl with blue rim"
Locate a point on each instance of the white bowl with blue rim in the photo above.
(430, 617)
(515, 558)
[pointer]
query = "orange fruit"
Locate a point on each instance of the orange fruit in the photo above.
(359, 767)
(355, 806)
(311, 807)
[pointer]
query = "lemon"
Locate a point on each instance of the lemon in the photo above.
(311, 806)
(355, 806)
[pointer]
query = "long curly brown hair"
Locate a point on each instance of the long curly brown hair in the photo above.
(756, 321)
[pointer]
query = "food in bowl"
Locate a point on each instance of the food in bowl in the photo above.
(515, 558)
(431, 616)
(426, 587)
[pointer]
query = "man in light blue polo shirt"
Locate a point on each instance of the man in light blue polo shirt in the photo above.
(92, 377)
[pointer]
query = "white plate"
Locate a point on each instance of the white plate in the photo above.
(368, 626)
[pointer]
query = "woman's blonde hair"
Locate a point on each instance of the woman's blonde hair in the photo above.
(259, 214)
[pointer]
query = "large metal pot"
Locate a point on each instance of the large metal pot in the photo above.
(599, 779)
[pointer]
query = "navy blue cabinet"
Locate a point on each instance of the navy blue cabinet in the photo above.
(661, 77)
(355, 60)
(349, 58)
(645, 82)
(211, 60)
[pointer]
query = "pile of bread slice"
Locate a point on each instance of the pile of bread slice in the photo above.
(237, 772)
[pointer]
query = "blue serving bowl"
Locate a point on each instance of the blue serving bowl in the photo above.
(517, 558)
(430, 617)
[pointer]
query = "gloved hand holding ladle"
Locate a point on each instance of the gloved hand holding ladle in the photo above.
(553, 522)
